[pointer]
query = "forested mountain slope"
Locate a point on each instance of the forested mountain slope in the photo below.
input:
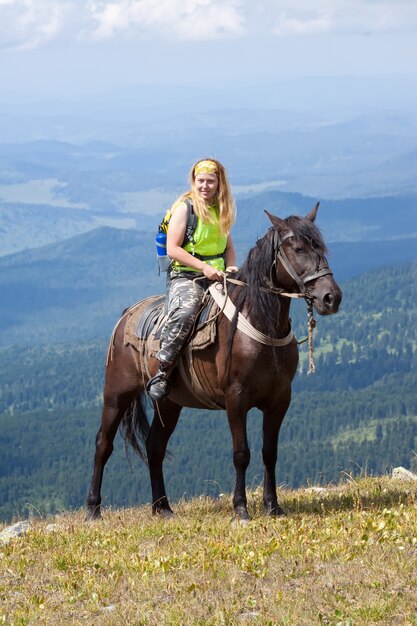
(358, 412)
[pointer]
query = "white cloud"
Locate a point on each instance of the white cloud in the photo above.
(342, 16)
(180, 19)
(288, 25)
(28, 24)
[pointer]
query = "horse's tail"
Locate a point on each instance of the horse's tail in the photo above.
(135, 426)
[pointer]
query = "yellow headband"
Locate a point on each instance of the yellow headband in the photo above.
(206, 167)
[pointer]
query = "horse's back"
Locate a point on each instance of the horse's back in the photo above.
(130, 335)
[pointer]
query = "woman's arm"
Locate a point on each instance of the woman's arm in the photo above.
(175, 237)
(230, 256)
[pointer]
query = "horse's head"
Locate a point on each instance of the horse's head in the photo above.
(300, 261)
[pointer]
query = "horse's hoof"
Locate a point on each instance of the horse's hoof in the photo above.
(93, 514)
(241, 517)
(274, 511)
(238, 522)
(164, 513)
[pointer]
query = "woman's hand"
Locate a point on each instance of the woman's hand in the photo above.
(211, 273)
(231, 268)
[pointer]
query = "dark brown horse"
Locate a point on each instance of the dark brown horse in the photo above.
(242, 371)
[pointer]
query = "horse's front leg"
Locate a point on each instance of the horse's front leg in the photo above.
(236, 413)
(272, 420)
(163, 425)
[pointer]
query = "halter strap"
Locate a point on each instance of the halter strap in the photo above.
(281, 256)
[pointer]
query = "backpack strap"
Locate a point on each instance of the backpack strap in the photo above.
(191, 223)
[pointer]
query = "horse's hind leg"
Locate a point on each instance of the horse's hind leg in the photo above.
(163, 425)
(113, 411)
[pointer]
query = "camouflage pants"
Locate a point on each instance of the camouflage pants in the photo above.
(184, 302)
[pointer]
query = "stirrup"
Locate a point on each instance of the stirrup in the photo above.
(158, 387)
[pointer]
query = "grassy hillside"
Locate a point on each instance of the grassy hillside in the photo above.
(341, 557)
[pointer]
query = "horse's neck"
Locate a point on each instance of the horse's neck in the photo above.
(283, 324)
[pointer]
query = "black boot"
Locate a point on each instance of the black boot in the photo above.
(158, 387)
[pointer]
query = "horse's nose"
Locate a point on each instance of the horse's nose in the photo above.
(332, 300)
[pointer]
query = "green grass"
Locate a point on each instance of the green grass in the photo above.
(346, 556)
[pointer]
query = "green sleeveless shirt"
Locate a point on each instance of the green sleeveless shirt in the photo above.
(207, 241)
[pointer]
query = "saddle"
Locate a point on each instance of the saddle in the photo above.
(145, 320)
(143, 329)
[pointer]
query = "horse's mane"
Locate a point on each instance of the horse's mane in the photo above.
(262, 304)
(302, 227)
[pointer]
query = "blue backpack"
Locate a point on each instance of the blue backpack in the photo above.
(164, 262)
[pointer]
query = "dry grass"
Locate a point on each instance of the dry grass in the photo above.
(344, 557)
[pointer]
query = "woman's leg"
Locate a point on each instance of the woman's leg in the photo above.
(184, 303)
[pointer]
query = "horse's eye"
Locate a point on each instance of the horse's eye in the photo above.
(298, 250)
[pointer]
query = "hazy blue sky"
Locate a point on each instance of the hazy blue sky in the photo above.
(76, 47)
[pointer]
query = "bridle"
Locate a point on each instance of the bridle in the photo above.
(322, 269)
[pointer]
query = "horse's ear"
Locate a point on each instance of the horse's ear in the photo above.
(276, 221)
(312, 215)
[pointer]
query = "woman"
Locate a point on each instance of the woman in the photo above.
(206, 257)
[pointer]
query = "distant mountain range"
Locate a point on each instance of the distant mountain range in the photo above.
(77, 222)
(76, 289)
(349, 219)
(73, 174)
(64, 211)
(118, 172)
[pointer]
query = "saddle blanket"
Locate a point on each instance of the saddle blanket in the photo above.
(145, 320)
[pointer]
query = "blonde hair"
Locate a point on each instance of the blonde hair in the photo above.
(223, 199)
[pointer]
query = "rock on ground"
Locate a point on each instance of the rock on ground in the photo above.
(403, 474)
(20, 528)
